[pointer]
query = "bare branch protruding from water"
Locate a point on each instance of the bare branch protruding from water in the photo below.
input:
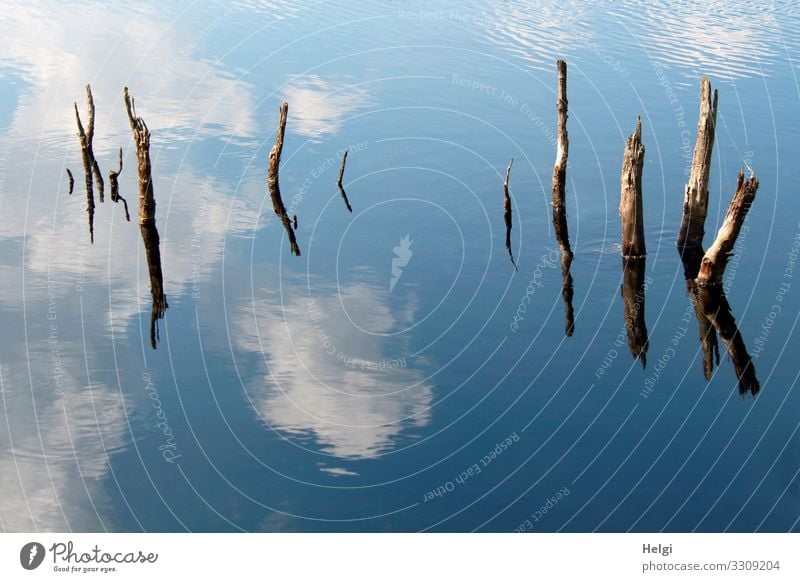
(559, 189)
(695, 198)
(559, 182)
(273, 185)
(339, 183)
(90, 167)
(147, 216)
(712, 267)
(507, 214)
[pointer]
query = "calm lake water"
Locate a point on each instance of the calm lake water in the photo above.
(400, 375)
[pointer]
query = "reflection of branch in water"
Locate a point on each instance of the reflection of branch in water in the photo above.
(716, 308)
(147, 217)
(339, 183)
(113, 176)
(273, 184)
(708, 335)
(507, 213)
(90, 166)
(71, 181)
(153, 255)
(566, 290)
(634, 285)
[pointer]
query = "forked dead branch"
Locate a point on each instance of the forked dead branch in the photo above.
(90, 167)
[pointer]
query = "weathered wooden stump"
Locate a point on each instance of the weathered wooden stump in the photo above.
(712, 267)
(630, 204)
(695, 199)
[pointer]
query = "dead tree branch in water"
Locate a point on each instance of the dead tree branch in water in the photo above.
(147, 217)
(507, 213)
(141, 138)
(704, 273)
(634, 286)
(339, 183)
(113, 176)
(273, 183)
(695, 198)
(630, 203)
(712, 267)
(559, 188)
(90, 164)
(559, 184)
(71, 181)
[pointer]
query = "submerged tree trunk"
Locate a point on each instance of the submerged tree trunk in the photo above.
(273, 184)
(695, 199)
(630, 204)
(712, 267)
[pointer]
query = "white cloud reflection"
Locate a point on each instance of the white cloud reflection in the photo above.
(312, 390)
(319, 106)
(55, 445)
